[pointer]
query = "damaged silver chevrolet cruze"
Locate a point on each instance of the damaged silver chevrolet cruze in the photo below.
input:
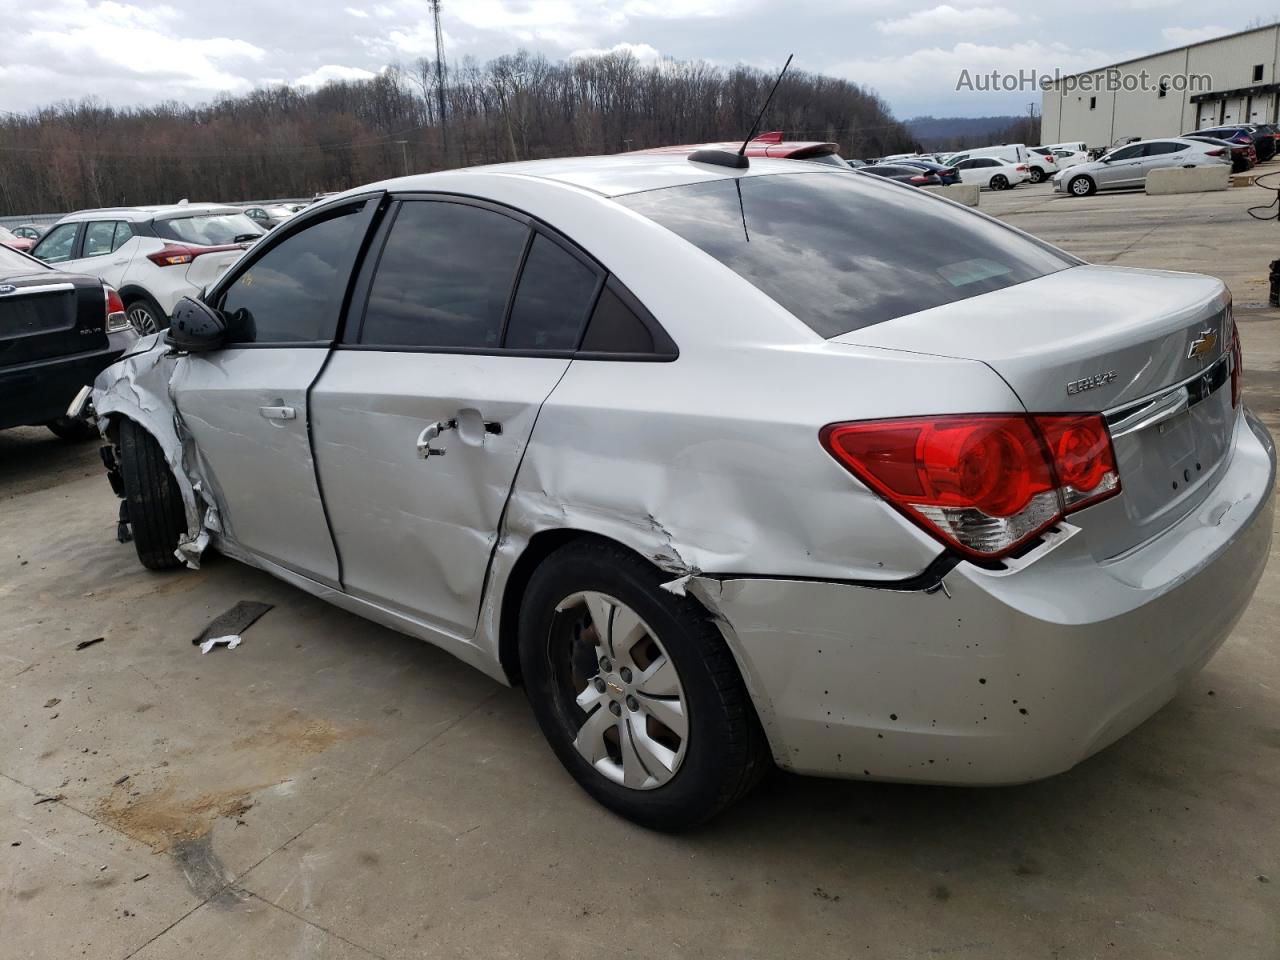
(724, 465)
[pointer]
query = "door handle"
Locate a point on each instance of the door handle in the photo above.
(119, 263)
(429, 433)
(469, 425)
(278, 413)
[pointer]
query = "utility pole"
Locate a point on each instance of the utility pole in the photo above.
(404, 154)
(444, 124)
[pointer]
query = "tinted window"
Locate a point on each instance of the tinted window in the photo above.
(209, 229)
(293, 292)
(1162, 147)
(615, 328)
(556, 291)
(842, 253)
(444, 277)
(1128, 153)
(57, 243)
(97, 238)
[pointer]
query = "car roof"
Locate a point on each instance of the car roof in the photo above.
(158, 212)
(609, 176)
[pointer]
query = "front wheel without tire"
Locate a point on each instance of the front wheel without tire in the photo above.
(156, 514)
(635, 688)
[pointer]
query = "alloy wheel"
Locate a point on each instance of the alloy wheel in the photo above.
(618, 680)
(142, 319)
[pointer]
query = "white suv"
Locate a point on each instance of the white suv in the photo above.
(154, 256)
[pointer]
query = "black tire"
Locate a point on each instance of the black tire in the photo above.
(156, 514)
(1037, 175)
(725, 750)
(1081, 186)
(72, 430)
(145, 314)
(999, 182)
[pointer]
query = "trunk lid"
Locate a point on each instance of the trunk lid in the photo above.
(50, 314)
(212, 262)
(1148, 348)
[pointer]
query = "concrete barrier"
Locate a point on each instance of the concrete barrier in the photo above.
(1188, 179)
(966, 193)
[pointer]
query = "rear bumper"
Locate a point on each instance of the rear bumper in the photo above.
(1003, 677)
(37, 392)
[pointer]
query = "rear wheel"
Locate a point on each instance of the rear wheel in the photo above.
(156, 514)
(1081, 186)
(635, 688)
(1037, 175)
(145, 315)
(72, 429)
(999, 182)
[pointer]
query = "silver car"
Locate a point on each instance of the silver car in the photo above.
(719, 466)
(1128, 166)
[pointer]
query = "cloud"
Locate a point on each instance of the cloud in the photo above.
(1181, 36)
(949, 19)
(362, 14)
(641, 51)
(333, 71)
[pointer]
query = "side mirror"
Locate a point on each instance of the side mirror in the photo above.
(196, 327)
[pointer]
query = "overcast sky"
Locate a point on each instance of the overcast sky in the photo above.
(912, 52)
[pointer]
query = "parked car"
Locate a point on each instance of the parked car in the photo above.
(992, 173)
(1042, 164)
(528, 444)
(1129, 165)
(28, 231)
(269, 216)
(14, 242)
(154, 256)
(1240, 133)
(1243, 155)
(946, 175)
(1014, 153)
(1264, 132)
(1070, 146)
(855, 163)
(1069, 158)
(57, 332)
(903, 172)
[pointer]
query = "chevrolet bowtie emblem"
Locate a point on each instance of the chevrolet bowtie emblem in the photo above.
(1203, 345)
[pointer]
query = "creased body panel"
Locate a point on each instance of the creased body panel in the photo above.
(1002, 677)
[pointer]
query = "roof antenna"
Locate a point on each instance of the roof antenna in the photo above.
(739, 161)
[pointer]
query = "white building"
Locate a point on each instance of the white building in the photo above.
(1230, 79)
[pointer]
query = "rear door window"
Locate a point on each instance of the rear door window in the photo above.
(444, 277)
(97, 238)
(841, 252)
(555, 293)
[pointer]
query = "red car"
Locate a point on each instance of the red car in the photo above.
(769, 145)
(8, 239)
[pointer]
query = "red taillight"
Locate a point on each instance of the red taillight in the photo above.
(1021, 168)
(921, 179)
(983, 484)
(1237, 366)
(115, 318)
(173, 254)
(1214, 153)
(170, 255)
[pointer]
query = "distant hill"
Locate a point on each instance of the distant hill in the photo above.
(935, 132)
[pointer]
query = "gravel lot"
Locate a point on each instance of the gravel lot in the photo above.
(334, 790)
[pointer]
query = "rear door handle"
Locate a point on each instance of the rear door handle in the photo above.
(278, 413)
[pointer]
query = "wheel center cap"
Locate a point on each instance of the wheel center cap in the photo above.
(615, 686)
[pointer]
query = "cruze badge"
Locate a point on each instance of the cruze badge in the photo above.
(1203, 345)
(1088, 383)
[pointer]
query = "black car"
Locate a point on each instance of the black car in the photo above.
(57, 332)
(916, 176)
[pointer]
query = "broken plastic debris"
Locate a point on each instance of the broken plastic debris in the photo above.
(230, 642)
(677, 585)
(236, 620)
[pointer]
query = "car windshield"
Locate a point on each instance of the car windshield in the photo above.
(209, 229)
(845, 252)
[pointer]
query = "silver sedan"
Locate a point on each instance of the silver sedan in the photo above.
(720, 465)
(1129, 165)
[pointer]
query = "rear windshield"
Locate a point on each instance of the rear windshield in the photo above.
(210, 229)
(844, 251)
